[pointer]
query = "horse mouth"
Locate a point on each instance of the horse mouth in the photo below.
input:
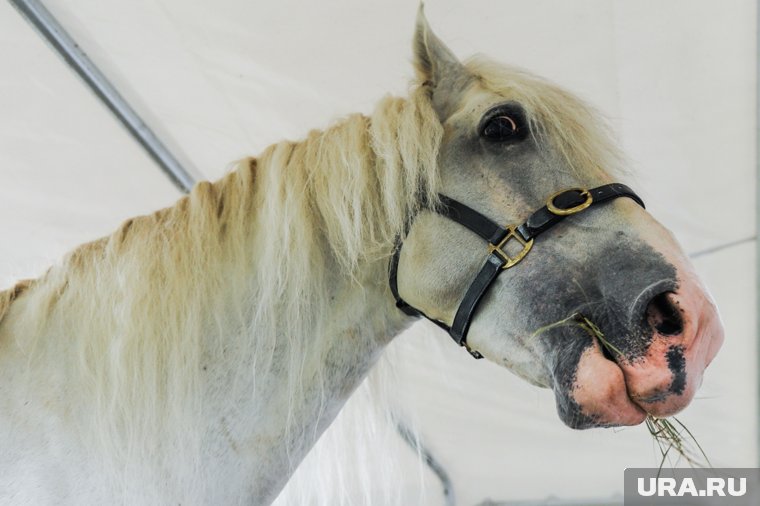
(599, 395)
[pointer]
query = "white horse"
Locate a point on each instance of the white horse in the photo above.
(197, 354)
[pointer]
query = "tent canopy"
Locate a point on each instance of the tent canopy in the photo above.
(221, 80)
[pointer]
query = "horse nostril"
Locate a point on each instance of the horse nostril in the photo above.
(664, 315)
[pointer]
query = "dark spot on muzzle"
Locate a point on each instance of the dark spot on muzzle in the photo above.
(677, 366)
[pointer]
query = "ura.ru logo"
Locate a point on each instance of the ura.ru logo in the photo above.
(714, 487)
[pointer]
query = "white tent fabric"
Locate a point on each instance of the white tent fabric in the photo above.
(221, 80)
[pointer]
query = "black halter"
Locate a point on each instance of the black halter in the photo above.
(557, 207)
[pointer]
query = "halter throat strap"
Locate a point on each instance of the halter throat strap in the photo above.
(557, 208)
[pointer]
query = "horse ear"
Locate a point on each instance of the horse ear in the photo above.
(435, 63)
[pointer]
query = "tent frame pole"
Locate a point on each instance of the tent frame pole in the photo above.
(52, 31)
(757, 224)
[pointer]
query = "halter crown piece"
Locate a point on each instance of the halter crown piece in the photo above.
(557, 208)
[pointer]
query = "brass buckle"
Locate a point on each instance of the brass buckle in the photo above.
(572, 210)
(499, 248)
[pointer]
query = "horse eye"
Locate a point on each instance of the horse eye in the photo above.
(501, 128)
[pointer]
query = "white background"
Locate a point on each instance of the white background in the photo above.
(221, 80)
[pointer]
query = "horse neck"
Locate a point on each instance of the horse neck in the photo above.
(246, 314)
(268, 386)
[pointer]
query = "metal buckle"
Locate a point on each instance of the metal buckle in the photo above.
(499, 248)
(571, 210)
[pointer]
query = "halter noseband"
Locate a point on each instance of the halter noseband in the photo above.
(558, 206)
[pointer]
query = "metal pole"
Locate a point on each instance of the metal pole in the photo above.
(62, 42)
(757, 224)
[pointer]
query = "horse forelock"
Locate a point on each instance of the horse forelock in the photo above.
(560, 119)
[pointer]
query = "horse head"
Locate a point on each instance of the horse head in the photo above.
(603, 307)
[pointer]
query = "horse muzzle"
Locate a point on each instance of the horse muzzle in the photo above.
(686, 333)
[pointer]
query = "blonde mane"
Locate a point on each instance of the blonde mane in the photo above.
(140, 306)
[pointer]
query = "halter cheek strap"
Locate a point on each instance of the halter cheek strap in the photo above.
(558, 206)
